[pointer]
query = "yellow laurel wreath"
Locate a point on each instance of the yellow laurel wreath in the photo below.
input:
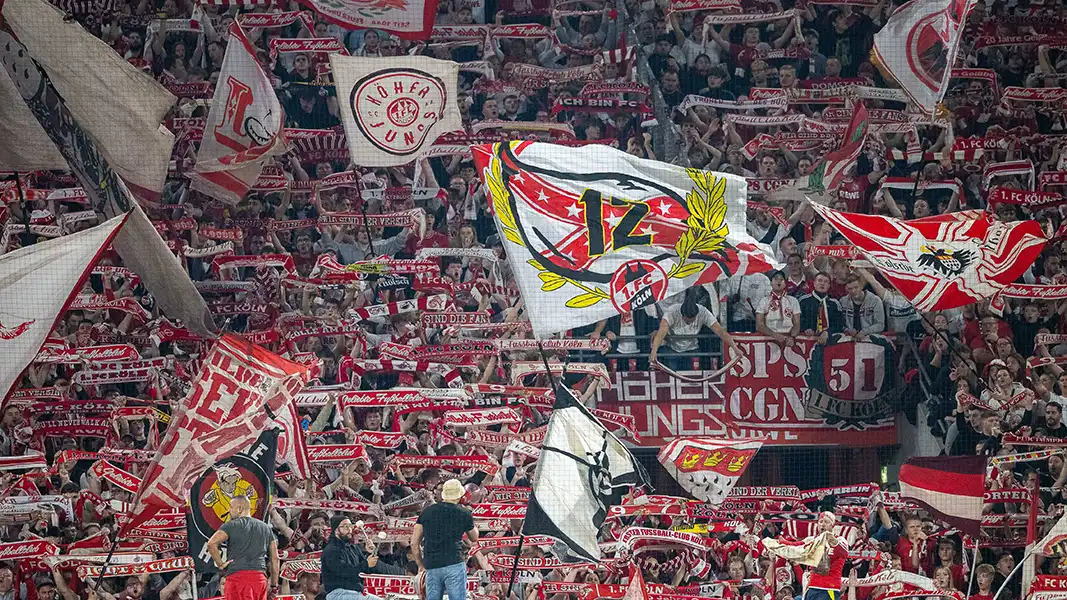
(706, 224)
(498, 193)
(550, 282)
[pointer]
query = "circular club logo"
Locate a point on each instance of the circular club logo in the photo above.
(396, 108)
(637, 284)
(212, 493)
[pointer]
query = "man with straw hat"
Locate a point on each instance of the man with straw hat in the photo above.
(436, 544)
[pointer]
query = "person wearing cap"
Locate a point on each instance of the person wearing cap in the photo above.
(343, 561)
(436, 543)
(249, 543)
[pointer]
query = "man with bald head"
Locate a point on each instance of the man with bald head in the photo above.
(249, 544)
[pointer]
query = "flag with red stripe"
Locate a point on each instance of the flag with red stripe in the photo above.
(950, 487)
(942, 262)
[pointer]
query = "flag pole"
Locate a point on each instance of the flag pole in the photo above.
(1029, 554)
(522, 538)
(974, 567)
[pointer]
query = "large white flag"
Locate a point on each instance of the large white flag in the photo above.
(917, 47)
(592, 232)
(583, 470)
(393, 109)
(244, 127)
(36, 282)
(119, 106)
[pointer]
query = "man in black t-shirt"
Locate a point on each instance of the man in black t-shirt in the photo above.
(442, 527)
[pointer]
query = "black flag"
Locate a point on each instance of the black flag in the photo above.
(250, 474)
(583, 470)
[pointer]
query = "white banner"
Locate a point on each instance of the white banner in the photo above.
(36, 282)
(592, 232)
(393, 108)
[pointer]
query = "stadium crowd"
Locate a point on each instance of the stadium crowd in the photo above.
(980, 374)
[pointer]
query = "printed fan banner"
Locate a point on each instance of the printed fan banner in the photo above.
(592, 231)
(393, 109)
(708, 468)
(238, 388)
(943, 262)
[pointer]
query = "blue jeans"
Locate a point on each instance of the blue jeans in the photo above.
(342, 594)
(451, 579)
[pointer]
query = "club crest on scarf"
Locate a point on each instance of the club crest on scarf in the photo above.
(397, 108)
(691, 230)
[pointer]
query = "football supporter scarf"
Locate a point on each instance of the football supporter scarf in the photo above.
(30, 460)
(1031, 200)
(210, 427)
(773, 101)
(923, 73)
(707, 468)
(272, 20)
(455, 463)
(452, 377)
(236, 261)
(950, 487)
(127, 304)
(693, 5)
(948, 261)
(100, 428)
(107, 353)
(406, 218)
(642, 259)
(1008, 169)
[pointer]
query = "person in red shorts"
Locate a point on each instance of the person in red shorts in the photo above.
(249, 543)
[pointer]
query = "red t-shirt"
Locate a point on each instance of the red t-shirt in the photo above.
(854, 192)
(742, 56)
(904, 546)
(832, 579)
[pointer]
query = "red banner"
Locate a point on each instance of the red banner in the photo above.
(762, 397)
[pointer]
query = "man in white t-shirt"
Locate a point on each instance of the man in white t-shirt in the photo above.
(687, 320)
(778, 313)
(746, 290)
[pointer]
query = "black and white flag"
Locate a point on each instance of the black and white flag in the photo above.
(394, 109)
(583, 470)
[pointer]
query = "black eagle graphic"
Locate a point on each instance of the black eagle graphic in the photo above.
(945, 261)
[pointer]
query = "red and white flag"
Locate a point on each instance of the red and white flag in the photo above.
(828, 175)
(244, 127)
(36, 283)
(635, 589)
(951, 487)
(708, 468)
(237, 393)
(917, 47)
(292, 447)
(946, 261)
